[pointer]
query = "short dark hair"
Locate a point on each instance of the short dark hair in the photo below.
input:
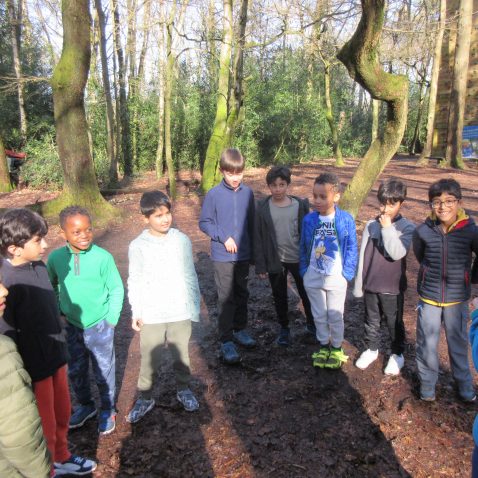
(448, 185)
(18, 226)
(329, 178)
(391, 191)
(232, 161)
(152, 200)
(282, 172)
(71, 211)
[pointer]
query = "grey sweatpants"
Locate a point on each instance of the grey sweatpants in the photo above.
(327, 300)
(152, 340)
(455, 318)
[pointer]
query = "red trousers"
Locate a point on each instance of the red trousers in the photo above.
(53, 400)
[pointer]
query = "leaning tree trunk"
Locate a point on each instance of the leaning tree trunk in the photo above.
(427, 150)
(16, 40)
(216, 142)
(68, 84)
(5, 184)
(456, 117)
(110, 131)
(375, 118)
(361, 58)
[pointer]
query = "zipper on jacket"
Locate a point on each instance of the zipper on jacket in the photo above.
(443, 275)
(77, 264)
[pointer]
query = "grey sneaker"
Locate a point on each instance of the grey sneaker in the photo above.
(80, 416)
(229, 353)
(244, 339)
(187, 400)
(140, 408)
(75, 465)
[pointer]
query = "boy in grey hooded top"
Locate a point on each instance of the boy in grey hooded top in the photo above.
(381, 277)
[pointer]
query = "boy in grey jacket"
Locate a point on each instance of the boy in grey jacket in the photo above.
(164, 295)
(381, 277)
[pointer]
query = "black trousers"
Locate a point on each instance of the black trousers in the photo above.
(279, 291)
(391, 308)
(232, 295)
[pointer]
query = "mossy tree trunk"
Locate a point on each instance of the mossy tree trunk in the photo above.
(361, 58)
(68, 84)
(216, 142)
(456, 115)
(375, 118)
(427, 149)
(5, 184)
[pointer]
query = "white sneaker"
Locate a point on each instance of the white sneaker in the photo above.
(366, 359)
(394, 365)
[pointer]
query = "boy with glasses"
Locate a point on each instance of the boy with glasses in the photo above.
(443, 245)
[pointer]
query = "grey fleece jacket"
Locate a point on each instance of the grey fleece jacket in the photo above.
(396, 239)
(162, 283)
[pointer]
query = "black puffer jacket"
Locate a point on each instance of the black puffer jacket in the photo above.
(445, 260)
(32, 310)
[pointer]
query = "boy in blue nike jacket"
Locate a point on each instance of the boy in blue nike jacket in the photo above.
(328, 259)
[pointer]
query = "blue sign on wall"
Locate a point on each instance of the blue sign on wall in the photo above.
(469, 148)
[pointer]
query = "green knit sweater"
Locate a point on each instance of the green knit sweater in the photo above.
(88, 285)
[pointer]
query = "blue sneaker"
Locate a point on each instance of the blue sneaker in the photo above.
(140, 408)
(244, 339)
(187, 400)
(81, 415)
(106, 422)
(229, 353)
(75, 465)
(284, 338)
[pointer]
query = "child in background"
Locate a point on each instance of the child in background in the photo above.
(32, 314)
(164, 295)
(443, 245)
(381, 275)
(328, 259)
(90, 293)
(23, 451)
(278, 224)
(227, 217)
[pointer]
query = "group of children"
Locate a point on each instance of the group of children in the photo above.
(80, 288)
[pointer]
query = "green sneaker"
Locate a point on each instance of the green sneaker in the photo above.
(319, 359)
(336, 358)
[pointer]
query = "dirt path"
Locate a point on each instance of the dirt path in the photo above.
(275, 415)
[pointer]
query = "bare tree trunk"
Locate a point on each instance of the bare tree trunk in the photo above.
(5, 184)
(15, 30)
(123, 102)
(427, 150)
(216, 142)
(132, 9)
(453, 154)
(416, 131)
(68, 84)
(110, 130)
(360, 56)
(162, 72)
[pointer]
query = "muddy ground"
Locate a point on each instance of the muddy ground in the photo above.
(274, 415)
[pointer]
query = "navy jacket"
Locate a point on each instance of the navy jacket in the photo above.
(227, 213)
(445, 260)
(347, 237)
(32, 310)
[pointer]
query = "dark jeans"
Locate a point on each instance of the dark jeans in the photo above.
(474, 463)
(279, 291)
(97, 343)
(391, 307)
(232, 295)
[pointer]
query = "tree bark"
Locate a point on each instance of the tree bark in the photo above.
(110, 130)
(456, 117)
(416, 131)
(15, 29)
(216, 142)
(427, 150)
(68, 84)
(5, 184)
(375, 118)
(162, 72)
(361, 58)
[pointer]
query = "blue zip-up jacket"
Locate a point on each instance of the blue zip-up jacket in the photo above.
(346, 234)
(474, 355)
(227, 213)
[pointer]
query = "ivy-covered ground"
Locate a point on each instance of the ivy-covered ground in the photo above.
(274, 415)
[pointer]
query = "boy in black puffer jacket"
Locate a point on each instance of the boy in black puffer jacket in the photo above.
(443, 245)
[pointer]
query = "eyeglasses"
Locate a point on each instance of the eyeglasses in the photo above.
(447, 203)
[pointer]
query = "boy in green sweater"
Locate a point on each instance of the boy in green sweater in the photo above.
(90, 294)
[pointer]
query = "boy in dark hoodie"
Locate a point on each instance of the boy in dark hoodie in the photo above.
(443, 246)
(33, 314)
